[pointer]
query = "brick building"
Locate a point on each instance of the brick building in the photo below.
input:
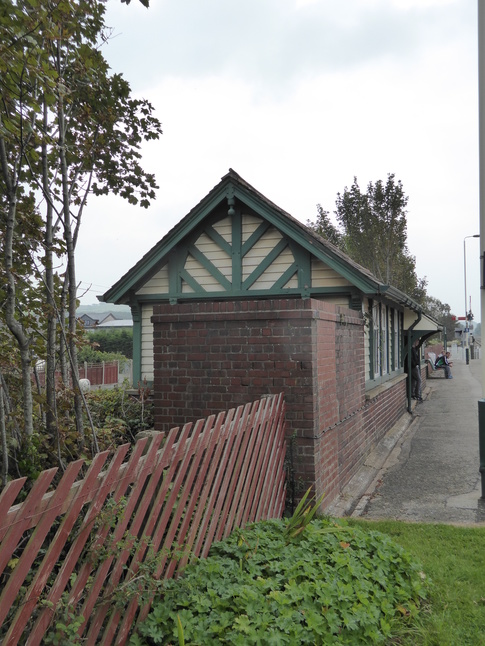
(241, 300)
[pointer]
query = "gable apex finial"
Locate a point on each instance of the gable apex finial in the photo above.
(231, 201)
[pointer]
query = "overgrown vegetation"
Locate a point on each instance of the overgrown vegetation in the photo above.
(119, 416)
(328, 584)
(112, 341)
(115, 418)
(90, 355)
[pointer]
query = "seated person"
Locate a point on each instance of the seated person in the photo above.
(443, 361)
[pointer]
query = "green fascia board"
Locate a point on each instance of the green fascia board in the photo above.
(243, 293)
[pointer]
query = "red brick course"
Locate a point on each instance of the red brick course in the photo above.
(210, 357)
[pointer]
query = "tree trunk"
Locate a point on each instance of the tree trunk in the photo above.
(15, 327)
(71, 276)
(3, 438)
(50, 371)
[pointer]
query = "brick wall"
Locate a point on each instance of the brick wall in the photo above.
(340, 393)
(215, 356)
(210, 357)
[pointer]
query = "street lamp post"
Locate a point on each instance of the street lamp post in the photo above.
(467, 323)
(481, 172)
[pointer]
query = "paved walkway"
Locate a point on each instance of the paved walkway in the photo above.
(427, 468)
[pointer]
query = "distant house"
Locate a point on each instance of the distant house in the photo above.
(105, 320)
(116, 324)
(89, 322)
(241, 300)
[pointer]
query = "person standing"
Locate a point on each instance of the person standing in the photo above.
(416, 373)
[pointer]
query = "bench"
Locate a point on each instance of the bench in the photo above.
(436, 372)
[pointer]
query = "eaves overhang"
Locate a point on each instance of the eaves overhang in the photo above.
(400, 297)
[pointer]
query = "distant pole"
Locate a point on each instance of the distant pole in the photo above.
(467, 322)
(481, 150)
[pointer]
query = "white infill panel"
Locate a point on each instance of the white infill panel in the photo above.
(146, 343)
(157, 284)
(275, 271)
(203, 277)
(324, 276)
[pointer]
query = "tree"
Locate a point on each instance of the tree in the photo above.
(112, 341)
(442, 313)
(325, 228)
(372, 229)
(68, 129)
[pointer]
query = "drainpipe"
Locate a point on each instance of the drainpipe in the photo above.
(410, 329)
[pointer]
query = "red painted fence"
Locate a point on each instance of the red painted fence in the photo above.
(72, 548)
(99, 374)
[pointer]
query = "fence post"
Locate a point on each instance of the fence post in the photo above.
(103, 375)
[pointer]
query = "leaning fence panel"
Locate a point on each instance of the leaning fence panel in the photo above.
(78, 553)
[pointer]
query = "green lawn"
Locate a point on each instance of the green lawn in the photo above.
(454, 559)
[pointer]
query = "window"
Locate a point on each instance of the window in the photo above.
(376, 339)
(385, 339)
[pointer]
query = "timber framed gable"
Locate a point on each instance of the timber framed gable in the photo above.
(241, 255)
(237, 245)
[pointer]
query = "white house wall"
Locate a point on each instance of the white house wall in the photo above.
(147, 342)
(158, 284)
(201, 275)
(275, 270)
(249, 225)
(324, 276)
(260, 251)
(224, 229)
(218, 257)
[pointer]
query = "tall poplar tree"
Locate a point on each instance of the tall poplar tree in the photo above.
(372, 229)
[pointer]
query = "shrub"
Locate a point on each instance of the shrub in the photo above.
(89, 355)
(119, 341)
(118, 416)
(330, 584)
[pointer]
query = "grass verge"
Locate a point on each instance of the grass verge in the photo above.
(454, 558)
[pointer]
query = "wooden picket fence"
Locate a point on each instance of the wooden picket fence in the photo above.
(105, 373)
(76, 551)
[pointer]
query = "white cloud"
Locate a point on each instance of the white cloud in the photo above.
(298, 97)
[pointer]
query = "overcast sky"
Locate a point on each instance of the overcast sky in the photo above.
(298, 97)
